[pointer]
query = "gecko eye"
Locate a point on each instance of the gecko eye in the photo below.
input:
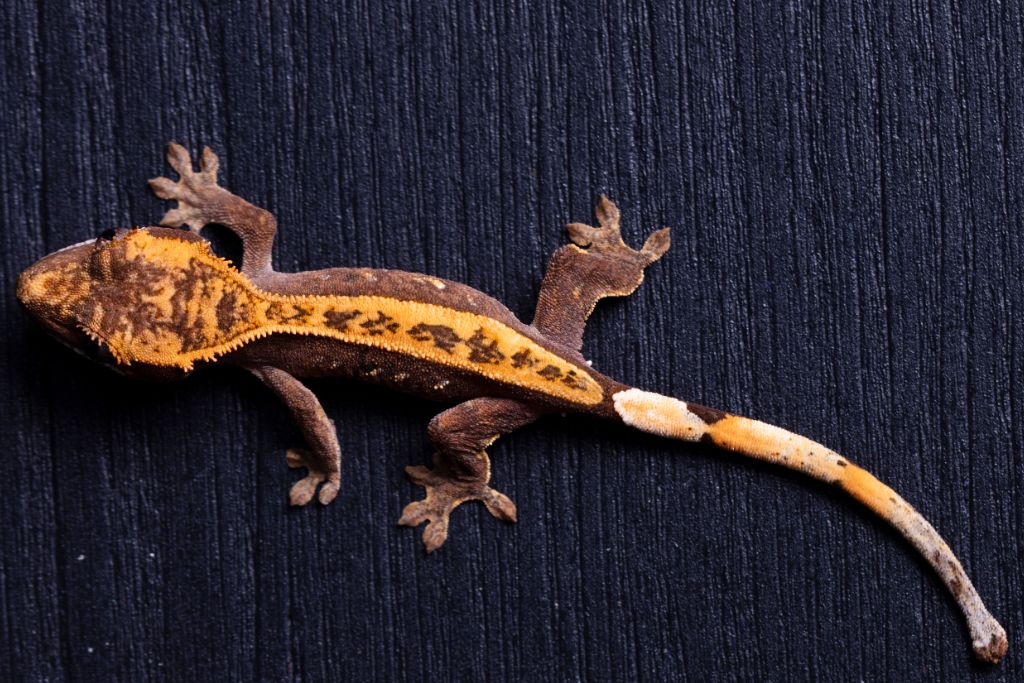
(107, 234)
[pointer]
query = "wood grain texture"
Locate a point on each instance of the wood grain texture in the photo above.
(844, 187)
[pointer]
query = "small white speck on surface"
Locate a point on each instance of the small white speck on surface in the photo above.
(80, 558)
(152, 554)
(590, 363)
(90, 649)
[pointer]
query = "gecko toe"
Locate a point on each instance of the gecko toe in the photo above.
(420, 475)
(296, 457)
(329, 491)
(173, 219)
(435, 534)
(436, 517)
(414, 514)
(501, 506)
(164, 188)
(210, 164)
(178, 158)
(302, 491)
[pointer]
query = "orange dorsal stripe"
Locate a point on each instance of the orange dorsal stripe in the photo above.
(197, 307)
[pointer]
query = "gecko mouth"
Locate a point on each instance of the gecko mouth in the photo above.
(97, 351)
(81, 343)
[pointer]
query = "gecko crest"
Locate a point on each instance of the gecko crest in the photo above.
(171, 302)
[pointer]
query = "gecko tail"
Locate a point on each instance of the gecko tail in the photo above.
(676, 419)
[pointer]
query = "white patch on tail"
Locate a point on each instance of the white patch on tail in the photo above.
(657, 414)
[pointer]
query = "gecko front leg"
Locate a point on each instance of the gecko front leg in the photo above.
(202, 201)
(462, 468)
(323, 458)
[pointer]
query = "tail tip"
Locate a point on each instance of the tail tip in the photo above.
(994, 649)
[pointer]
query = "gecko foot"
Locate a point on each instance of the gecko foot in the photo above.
(444, 494)
(303, 490)
(197, 192)
(607, 239)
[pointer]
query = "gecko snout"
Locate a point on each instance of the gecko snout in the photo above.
(53, 288)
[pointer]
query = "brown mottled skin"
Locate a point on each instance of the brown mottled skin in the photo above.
(156, 303)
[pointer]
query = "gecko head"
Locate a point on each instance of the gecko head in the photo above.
(64, 291)
(55, 289)
(154, 299)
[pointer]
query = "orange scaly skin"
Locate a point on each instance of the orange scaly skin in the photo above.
(158, 302)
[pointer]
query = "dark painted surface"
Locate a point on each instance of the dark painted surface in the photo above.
(845, 191)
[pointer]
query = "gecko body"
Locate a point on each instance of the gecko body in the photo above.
(157, 302)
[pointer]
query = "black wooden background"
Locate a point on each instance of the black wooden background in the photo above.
(845, 189)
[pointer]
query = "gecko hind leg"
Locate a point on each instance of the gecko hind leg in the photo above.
(597, 265)
(462, 468)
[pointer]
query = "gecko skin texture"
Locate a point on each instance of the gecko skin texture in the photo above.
(157, 303)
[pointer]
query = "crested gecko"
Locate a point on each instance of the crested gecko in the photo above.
(157, 302)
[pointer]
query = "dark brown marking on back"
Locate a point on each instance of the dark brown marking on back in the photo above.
(338, 320)
(550, 372)
(288, 313)
(483, 350)
(523, 358)
(708, 415)
(379, 325)
(301, 314)
(443, 336)
(227, 311)
(571, 379)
